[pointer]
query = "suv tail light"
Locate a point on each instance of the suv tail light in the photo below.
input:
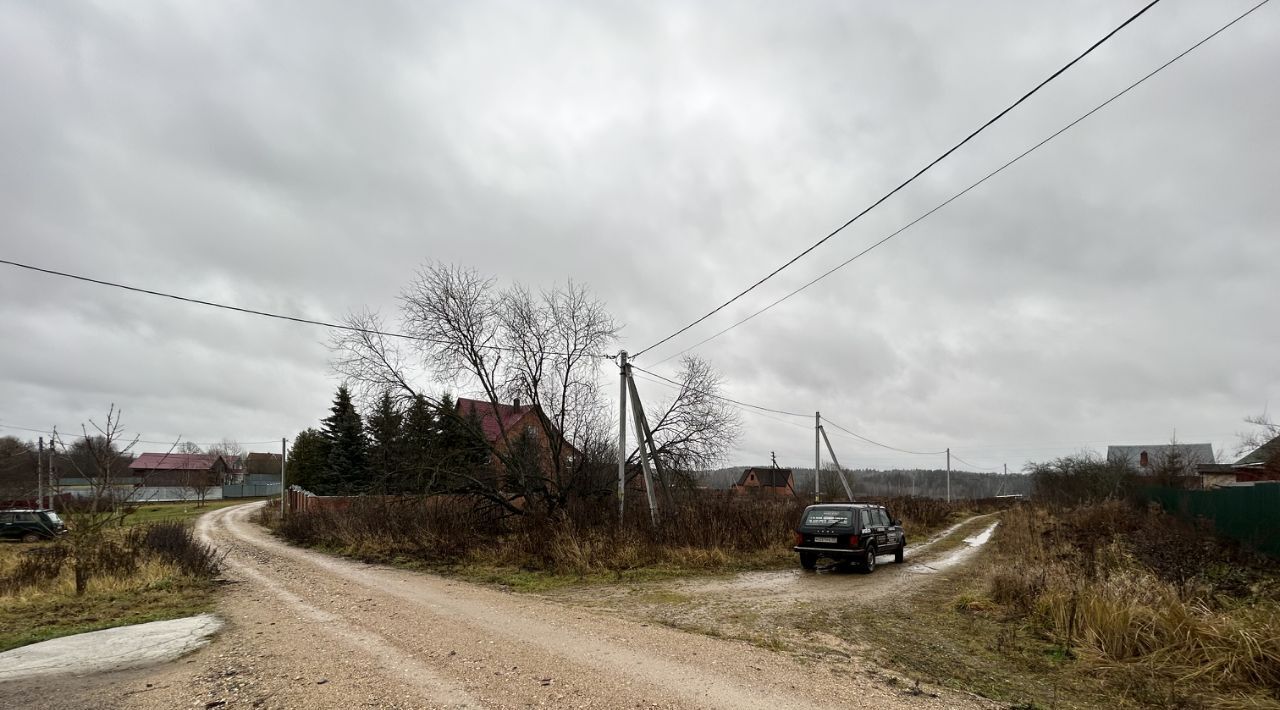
(799, 538)
(853, 541)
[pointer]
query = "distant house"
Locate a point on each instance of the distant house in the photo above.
(180, 470)
(765, 481)
(1147, 460)
(1261, 464)
(262, 468)
(504, 424)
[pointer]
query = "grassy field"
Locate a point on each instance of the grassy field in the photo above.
(1099, 606)
(182, 510)
(148, 570)
(156, 593)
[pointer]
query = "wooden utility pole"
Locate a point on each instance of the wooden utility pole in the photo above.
(622, 434)
(948, 474)
(817, 457)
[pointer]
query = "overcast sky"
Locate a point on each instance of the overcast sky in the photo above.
(1116, 286)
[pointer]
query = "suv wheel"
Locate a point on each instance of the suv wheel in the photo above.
(31, 537)
(870, 565)
(901, 552)
(809, 560)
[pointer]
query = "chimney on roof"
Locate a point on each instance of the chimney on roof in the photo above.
(516, 404)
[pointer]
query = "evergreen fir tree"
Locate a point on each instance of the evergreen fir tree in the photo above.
(461, 443)
(347, 470)
(308, 459)
(386, 448)
(420, 438)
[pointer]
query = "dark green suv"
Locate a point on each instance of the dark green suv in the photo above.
(29, 525)
(849, 532)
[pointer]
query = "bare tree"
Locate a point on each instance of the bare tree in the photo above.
(1264, 430)
(189, 447)
(108, 451)
(696, 428)
(200, 483)
(543, 347)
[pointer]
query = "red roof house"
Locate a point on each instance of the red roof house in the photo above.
(179, 469)
(775, 481)
(504, 423)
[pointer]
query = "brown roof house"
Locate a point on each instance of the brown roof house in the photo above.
(1260, 465)
(765, 481)
(186, 470)
(504, 424)
(262, 468)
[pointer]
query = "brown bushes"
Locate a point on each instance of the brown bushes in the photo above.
(116, 557)
(706, 529)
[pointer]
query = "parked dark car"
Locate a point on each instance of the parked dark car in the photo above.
(849, 532)
(29, 525)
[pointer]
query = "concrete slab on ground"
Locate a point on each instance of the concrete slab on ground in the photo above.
(110, 649)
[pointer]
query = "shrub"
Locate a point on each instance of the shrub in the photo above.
(174, 542)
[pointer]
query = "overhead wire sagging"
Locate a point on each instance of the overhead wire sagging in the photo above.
(911, 179)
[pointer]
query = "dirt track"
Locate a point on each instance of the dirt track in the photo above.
(306, 630)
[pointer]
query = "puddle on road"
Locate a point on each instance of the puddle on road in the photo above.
(971, 545)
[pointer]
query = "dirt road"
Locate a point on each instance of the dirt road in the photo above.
(306, 630)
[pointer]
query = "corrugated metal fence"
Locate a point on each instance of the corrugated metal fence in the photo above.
(250, 490)
(1250, 514)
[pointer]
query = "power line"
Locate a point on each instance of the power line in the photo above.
(911, 179)
(974, 465)
(741, 408)
(825, 420)
(265, 314)
(963, 192)
(716, 396)
(144, 441)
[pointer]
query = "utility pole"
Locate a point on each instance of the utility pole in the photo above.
(817, 456)
(1006, 469)
(839, 469)
(948, 474)
(622, 434)
(637, 417)
(284, 492)
(40, 475)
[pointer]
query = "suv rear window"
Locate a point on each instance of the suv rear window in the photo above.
(829, 518)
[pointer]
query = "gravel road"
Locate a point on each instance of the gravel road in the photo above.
(306, 630)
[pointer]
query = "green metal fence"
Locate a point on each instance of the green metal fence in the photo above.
(1250, 514)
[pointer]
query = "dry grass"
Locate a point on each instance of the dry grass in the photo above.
(1168, 627)
(140, 574)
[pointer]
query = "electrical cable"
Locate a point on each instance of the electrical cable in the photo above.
(716, 396)
(825, 420)
(911, 179)
(144, 441)
(963, 192)
(742, 408)
(265, 314)
(974, 465)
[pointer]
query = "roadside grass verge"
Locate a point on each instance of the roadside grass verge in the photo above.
(182, 511)
(139, 574)
(1099, 606)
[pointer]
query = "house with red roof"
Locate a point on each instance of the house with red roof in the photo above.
(171, 469)
(503, 424)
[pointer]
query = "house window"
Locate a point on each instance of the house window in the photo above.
(1143, 461)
